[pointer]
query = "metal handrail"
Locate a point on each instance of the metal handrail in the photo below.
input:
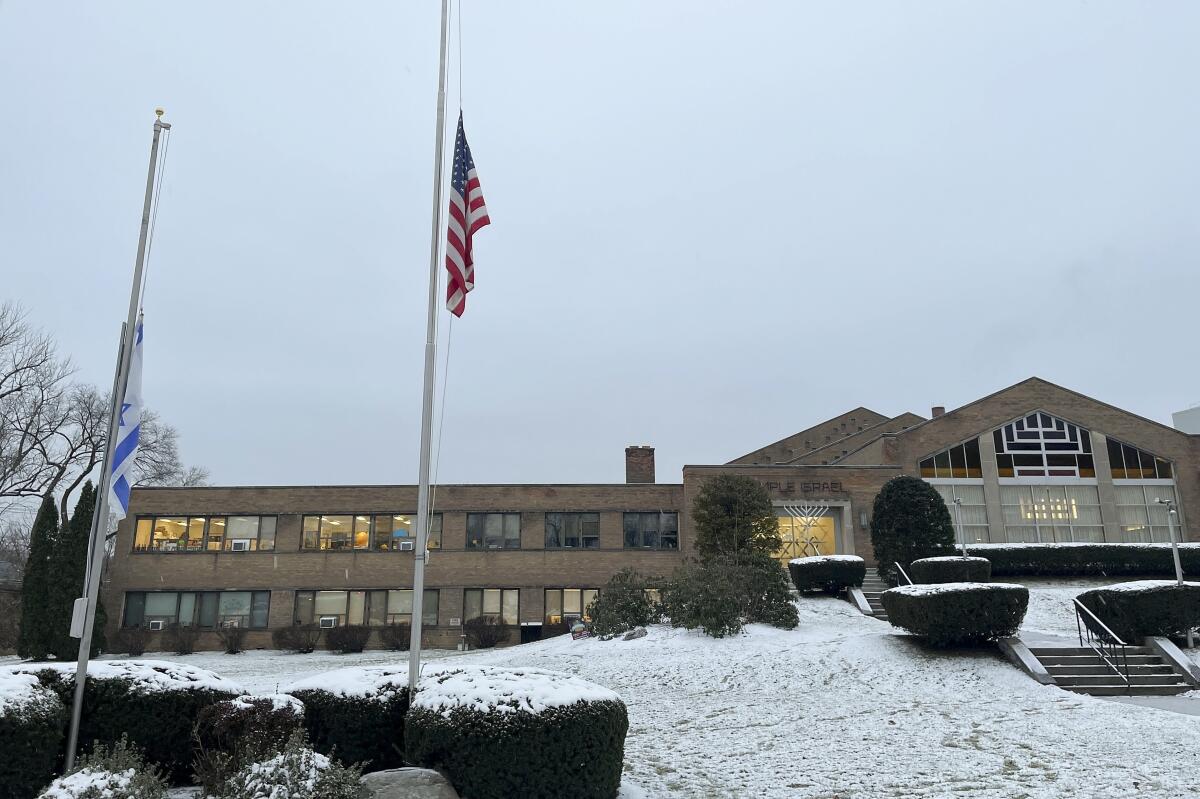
(1107, 645)
(903, 573)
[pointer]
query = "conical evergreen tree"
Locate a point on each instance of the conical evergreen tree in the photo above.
(68, 564)
(33, 641)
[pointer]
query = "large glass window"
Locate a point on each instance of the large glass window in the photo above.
(1041, 445)
(1051, 513)
(567, 605)
(400, 606)
(503, 603)
(493, 531)
(374, 607)
(204, 533)
(361, 531)
(208, 609)
(572, 531)
(651, 530)
(960, 461)
(1131, 463)
(1142, 517)
(971, 512)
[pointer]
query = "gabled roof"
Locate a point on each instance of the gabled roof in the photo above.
(827, 432)
(836, 450)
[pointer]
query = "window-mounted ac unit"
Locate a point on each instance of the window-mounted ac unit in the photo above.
(406, 546)
(156, 624)
(328, 622)
(240, 545)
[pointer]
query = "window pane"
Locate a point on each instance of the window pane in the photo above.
(511, 603)
(632, 528)
(266, 533)
(958, 462)
(382, 532)
(472, 603)
(400, 601)
(337, 532)
(554, 530)
(135, 607)
(195, 534)
(358, 607)
(331, 603)
(162, 605)
(554, 605)
(572, 597)
(491, 601)
(141, 539)
(927, 469)
(304, 607)
(589, 596)
(590, 529)
(362, 533)
(377, 607)
(312, 532)
(216, 533)
(259, 608)
(241, 527)
(234, 608)
(187, 608)
(670, 530)
(512, 531)
(429, 610)
(476, 522)
(168, 532)
(208, 609)
(571, 537)
(435, 532)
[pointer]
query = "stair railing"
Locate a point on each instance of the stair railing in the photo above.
(1103, 641)
(904, 574)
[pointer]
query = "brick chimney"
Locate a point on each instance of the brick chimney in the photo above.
(639, 464)
(938, 410)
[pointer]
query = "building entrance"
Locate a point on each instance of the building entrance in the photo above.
(808, 529)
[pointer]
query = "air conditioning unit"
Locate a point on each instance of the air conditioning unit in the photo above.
(240, 545)
(328, 622)
(156, 624)
(406, 546)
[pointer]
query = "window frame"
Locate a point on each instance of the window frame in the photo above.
(658, 545)
(482, 545)
(434, 540)
(561, 524)
(368, 611)
(483, 611)
(212, 543)
(260, 598)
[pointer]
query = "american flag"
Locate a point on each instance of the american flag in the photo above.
(467, 215)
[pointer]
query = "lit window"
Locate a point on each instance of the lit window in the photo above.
(1051, 513)
(1041, 445)
(1142, 518)
(568, 605)
(971, 511)
(204, 533)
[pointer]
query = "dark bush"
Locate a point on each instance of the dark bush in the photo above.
(909, 520)
(348, 638)
(621, 605)
(832, 574)
(154, 702)
(724, 593)
(364, 727)
(133, 640)
(951, 569)
(235, 733)
(181, 638)
(299, 638)
(396, 637)
(31, 736)
(485, 632)
(1149, 607)
(963, 615)
(1087, 560)
(233, 639)
(566, 752)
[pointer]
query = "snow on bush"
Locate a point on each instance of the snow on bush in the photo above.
(499, 733)
(829, 573)
(357, 713)
(117, 773)
(1144, 608)
(32, 719)
(231, 734)
(143, 676)
(957, 614)
(295, 773)
(950, 570)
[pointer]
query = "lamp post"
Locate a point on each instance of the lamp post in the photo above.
(958, 523)
(1170, 503)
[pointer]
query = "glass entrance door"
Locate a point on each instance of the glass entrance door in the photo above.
(808, 530)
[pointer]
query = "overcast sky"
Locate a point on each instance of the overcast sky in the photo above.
(712, 224)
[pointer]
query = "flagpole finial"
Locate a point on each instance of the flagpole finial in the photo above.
(158, 112)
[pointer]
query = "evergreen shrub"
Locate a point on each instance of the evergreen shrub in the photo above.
(527, 744)
(957, 614)
(32, 721)
(348, 638)
(951, 569)
(396, 637)
(1147, 607)
(357, 715)
(724, 593)
(1088, 560)
(34, 637)
(733, 514)
(295, 773)
(299, 638)
(832, 574)
(909, 521)
(68, 565)
(231, 734)
(621, 605)
(116, 772)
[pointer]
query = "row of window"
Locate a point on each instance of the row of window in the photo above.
(207, 609)
(394, 532)
(336, 608)
(1060, 513)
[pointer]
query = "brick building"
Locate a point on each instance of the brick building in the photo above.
(1033, 462)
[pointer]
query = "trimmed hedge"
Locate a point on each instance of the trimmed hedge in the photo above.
(366, 728)
(1082, 560)
(1148, 607)
(957, 614)
(519, 746)
(31, 737)
(928, 571)
(829, 573)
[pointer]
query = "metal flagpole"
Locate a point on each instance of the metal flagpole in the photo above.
(420, 554)
(100, 520)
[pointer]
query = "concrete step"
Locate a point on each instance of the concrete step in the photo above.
(1147, 669)
(1137, 681)
(1122, 690)
(1094, 660)
(1083, 650)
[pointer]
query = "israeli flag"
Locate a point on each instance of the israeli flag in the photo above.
(129, 428)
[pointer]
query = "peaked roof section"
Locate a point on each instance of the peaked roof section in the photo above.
(836, 450)
(796, 445)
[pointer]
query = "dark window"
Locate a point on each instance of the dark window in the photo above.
(207, 609)
(493, 531)
(1130, 463)
(1041, 445)
(572, 530)
(651, 530)
(503, 603)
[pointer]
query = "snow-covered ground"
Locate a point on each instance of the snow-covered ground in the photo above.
(843, 706)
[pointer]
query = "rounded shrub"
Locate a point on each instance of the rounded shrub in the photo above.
(621, 605)
(32, 720)
(957, 614)
(348, 638)
(909, 521)
(396, 636)
(357, 714)
(950, 569)
(536, 734)
(829, 573)
(1146, 607)
(155, 703)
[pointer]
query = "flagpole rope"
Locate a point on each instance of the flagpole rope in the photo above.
(162, 170)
